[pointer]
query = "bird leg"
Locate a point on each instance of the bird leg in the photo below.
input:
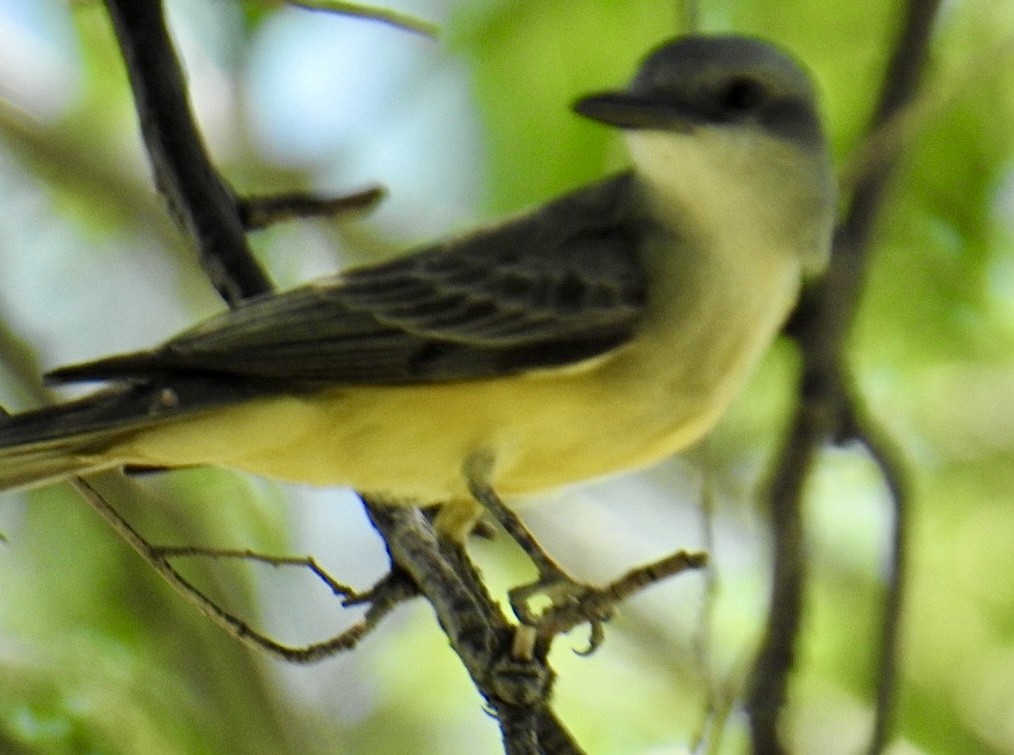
(571, 602)
(568, 597)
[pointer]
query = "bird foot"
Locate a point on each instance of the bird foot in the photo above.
(570, 603)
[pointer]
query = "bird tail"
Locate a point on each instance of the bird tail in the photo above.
(36, 464)
(57, 442)
(79, 437)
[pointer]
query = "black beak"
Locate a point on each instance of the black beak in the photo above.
(631, 111)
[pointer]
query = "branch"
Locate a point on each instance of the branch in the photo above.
(891, 462)
(402, 21)
(517, 689)
(260, 212)
(201, 202)
(158, 557)
(828, 409)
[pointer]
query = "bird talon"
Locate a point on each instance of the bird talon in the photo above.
(595, 638)
(570, 603)
(560, 592)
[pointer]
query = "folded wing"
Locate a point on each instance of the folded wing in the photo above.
(547, 289)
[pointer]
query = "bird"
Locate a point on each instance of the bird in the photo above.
(598, 333)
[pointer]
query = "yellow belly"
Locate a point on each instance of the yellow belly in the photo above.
(410, 442)
(647, 400)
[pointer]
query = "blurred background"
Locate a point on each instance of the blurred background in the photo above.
(98, 656)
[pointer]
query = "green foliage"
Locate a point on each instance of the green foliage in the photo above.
(550, 53)
(97, 656)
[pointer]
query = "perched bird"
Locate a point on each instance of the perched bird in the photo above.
(600, 332)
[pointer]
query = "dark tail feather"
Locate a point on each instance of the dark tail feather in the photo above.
(75, 437)
(37, 464)
(59, 441)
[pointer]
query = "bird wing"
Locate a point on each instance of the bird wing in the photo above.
(550, 288)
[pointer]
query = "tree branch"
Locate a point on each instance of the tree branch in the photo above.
(892, 465)
(516, 689)
(201, 202)
(402, 21)
(260, 212)
(828, 409)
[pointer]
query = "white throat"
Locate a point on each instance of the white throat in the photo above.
(745, 191)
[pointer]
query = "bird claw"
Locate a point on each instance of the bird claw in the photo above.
(570, 603)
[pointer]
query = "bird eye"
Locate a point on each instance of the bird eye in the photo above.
(742, 94)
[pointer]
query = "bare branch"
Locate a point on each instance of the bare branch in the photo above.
(893, 468)
(827, 410)
(159, 559)
(402, 21)
(201, 202)
(260, 212)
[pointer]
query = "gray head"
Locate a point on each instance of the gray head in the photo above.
(727, 127)
(721, 80)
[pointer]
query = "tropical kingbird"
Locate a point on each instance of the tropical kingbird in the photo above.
(600, 332)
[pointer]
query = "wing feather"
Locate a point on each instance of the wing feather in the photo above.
(559, 285)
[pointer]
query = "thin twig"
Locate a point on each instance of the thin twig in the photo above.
(702, 648)
(901, 83)
(260, 212)
(898, 129)
(349, 594)
(775, 658)
(891, 462)
(387, 16)
(158, 558)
